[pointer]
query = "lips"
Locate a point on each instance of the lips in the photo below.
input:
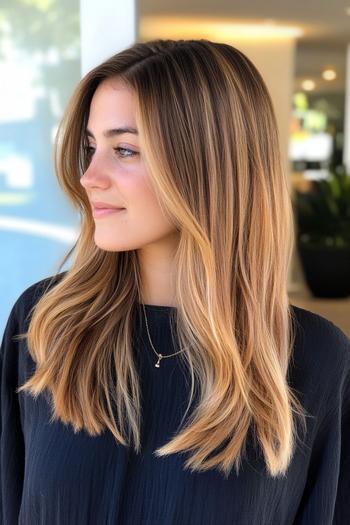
(104, 209)
(105, 206)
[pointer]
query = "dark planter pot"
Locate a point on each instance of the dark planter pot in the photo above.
(326, 270)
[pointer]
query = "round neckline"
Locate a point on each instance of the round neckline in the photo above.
(157, 307)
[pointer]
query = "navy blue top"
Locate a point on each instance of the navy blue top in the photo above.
(53, 476)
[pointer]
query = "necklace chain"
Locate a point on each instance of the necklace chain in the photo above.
(160, 356)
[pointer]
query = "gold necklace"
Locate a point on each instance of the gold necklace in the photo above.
(160, 356)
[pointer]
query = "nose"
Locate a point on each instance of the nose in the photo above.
(96, 174)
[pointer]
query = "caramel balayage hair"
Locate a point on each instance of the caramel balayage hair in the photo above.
(208, 136)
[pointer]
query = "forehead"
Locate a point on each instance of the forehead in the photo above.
(113, 104)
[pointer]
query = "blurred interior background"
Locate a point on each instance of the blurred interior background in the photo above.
(302, 50)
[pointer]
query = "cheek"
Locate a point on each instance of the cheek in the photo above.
(146, 215)
(147, 212)
(134, 185)
(141, 225)
(137, 192)
(144, 221)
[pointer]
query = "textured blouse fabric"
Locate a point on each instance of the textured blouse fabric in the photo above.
(53, 476)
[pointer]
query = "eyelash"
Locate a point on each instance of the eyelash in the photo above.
(132, 153)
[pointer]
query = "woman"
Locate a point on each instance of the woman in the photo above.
(164, 378)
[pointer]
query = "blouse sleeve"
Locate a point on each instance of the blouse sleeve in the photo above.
(326, 496)
(11, 435)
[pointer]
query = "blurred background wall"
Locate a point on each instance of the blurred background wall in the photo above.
(39, 65)
(300, 48)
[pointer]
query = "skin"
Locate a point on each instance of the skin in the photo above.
(120, 178)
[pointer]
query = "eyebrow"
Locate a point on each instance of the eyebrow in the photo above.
(116, 131)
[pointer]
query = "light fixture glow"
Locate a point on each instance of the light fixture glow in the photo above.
(308, 85)
(329, 74)
(211, 28)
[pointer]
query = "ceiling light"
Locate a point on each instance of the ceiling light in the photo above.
(308, 85)
(216, 29)
(329, 74)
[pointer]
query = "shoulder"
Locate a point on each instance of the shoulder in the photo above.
(316, 333)
(13, 361)
(321, 359)
(30, 296)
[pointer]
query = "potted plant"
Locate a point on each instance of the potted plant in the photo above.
(323, 234)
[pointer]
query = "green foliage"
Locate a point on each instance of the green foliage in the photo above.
(323, 215)
(35, 25)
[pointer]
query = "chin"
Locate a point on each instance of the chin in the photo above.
(110, 245)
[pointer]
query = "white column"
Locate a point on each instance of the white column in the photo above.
(346, 155)
(106, 28)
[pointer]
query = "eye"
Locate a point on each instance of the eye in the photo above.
(89, 150)
(130, 152)
(121, 152)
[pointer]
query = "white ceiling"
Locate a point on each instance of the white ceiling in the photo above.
(325, 24)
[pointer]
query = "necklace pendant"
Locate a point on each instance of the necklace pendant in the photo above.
(158, 362)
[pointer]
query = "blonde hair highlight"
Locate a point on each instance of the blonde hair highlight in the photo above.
(209, 138)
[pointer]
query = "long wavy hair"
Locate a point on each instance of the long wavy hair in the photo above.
(209, 138)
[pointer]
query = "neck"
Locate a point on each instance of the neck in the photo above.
(158, 273)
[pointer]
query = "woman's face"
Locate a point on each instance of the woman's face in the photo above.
(116, 174)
